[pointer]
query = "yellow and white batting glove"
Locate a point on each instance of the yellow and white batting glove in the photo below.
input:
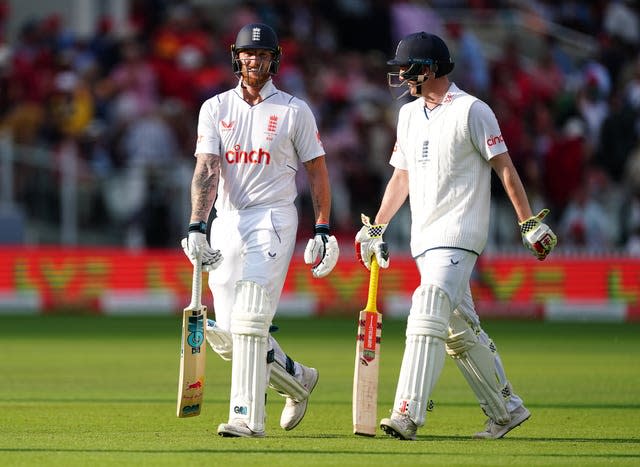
(196, 244)
(322, 251)
(369, 242)
(537, 236)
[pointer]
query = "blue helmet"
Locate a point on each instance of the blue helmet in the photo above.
(256, 36)
(422, 49)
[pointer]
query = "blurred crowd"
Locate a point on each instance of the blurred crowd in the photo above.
(128, 103)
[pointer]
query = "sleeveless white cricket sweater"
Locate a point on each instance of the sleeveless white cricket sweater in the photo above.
(449, 173)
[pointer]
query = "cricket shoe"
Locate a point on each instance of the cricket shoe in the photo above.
(238, 429)
(494, 430)
(399, 426)
(294, 411)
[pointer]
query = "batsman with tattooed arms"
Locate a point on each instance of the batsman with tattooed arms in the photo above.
(447, 144)
(251, 140)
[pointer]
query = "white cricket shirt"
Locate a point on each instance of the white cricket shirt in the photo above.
(260, 146)
(446, 155)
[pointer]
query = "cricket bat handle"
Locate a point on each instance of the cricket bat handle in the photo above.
(373, 286)
(196, 286)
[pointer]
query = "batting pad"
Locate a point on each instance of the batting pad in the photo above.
(282, 374)
(424, 351)
(219, 340)
(478, 362)
(250, 320)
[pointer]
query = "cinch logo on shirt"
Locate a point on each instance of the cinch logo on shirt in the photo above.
(239, 156)
(493, 140)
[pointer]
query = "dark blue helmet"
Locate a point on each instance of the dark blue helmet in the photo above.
(256, 36)
(419, 49)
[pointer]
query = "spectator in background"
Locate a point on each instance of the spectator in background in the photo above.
(618, 136)
(563, 165)
(591, 101)
(585, 223)
(132, 86)
(473, 71)
(510, 81)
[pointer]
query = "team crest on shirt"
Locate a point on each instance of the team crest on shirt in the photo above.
(424, 156)
(272, 127)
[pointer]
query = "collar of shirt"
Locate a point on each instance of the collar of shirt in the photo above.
(449, 96)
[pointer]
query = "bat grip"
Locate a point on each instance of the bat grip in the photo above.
(196, 286)
(373, 285)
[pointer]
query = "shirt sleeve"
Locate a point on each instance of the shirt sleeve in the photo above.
(208, 141)
(485, 131)
(307, 137)
(398, 159)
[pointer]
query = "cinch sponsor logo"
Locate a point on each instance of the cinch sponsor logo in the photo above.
(242, 410)
(239, 156)
(493, 140)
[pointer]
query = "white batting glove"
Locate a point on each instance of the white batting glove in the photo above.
(537, 236)
(369, 242)
(322, 251)
(196, 245)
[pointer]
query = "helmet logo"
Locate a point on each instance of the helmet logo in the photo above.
(255, 34)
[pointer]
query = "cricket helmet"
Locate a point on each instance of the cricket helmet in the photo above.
(256, 36)
(422, 49)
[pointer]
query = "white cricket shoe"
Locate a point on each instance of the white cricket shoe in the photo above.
(399, 426)
(238, 429)
(294, 411)
(494, 430)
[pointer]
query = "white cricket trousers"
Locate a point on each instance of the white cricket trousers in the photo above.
(256, 245)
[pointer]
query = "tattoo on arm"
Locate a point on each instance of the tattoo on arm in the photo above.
(204, 186)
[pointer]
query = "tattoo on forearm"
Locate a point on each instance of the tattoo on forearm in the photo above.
(204, 187)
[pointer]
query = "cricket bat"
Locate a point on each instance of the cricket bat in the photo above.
(192, 350)
(365, 376)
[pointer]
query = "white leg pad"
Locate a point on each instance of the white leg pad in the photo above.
(219, 340)
(424, 351)
(282, 377)
(250, 321)
(282, 374)
(478, 362)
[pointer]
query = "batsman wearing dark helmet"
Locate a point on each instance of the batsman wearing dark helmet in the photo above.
(251, 141)
(447, 144)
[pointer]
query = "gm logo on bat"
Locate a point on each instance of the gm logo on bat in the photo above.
(191, 409)
(196, 333)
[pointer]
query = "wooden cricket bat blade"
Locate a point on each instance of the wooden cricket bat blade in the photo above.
(365, 377)
(192, 363)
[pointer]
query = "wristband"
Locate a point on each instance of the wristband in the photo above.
(198, 227)
(321, 229)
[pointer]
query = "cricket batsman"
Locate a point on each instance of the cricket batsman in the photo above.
(448, 142)
(251, 141)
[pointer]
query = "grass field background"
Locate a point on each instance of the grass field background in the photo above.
(95, 390)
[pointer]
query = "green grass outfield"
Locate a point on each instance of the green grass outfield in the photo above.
(92, 391)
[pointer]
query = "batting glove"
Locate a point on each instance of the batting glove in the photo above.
(195, 245)
(537, 236)
(369, 242)
(322, 251)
